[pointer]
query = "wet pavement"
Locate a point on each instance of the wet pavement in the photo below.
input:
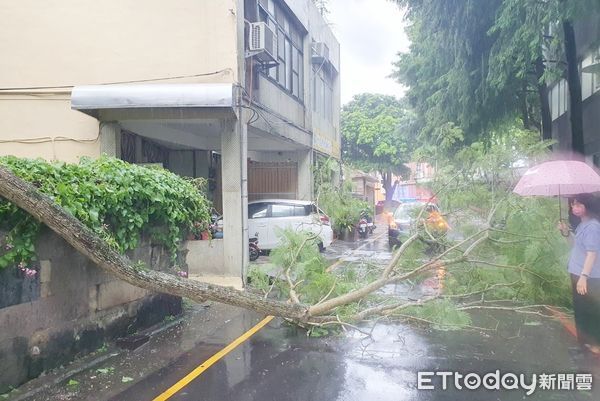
(281, 363)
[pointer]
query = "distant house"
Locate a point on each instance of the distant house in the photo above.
(365, 186)
(410, 188)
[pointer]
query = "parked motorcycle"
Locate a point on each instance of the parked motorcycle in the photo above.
(362, 227)
(365, 225)
(370, 225)
(254, 249)
(216, 225)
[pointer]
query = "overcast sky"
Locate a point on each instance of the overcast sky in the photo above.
(371, 33)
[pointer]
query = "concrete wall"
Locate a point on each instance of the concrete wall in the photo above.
(281, 103)
(45, 126)
(76, 42)
(70, 308)
(587, 34)
(205, 258)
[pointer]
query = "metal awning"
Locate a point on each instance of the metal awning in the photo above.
(92, 99)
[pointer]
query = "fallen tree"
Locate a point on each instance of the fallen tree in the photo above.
(294, 307)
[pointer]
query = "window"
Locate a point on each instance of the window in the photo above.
(301, 210)
(419, 173)
(559, 99)
(323, 91)
(554, 102)
(564, 97)
(288, 73)
(281, 210)
(587, 80)
(258, 210)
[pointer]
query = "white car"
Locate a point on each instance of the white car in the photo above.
(265, 216)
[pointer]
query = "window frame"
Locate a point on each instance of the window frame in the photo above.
(292, 38)
(322, 85)
(288, 205)
(268, 210)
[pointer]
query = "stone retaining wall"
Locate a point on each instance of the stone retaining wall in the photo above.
(70, 308)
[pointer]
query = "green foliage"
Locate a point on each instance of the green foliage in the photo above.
(376, 133)
(257, 279)
(535, 269)
(337, 201)
(441, 314)
(472, 67)
(471, 184)
(117, 200)
(446, 69)
(343, 209)
(299, 255)
(72, 383)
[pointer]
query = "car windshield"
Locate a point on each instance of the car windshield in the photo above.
(411, 210)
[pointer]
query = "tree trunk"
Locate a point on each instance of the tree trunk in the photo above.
(387, 185)
(575, 102)
(524, 106)
(544, 101)
(28, 198)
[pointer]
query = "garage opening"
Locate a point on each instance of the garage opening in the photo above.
(272, 180)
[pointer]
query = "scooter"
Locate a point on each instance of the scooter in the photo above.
(362, 227)
(370, 225)
(254, 249)
(216, 225)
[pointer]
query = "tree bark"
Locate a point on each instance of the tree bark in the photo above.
(28, 198)
(387, 185)
(575, 102)
(544, 101)
(524, 106)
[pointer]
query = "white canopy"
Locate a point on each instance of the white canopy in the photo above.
(92, 98)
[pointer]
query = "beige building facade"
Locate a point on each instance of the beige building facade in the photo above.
(183, 84)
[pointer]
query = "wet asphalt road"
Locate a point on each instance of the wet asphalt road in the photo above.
(281, 363)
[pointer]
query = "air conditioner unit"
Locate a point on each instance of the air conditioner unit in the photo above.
(262, 42)
(320, 53)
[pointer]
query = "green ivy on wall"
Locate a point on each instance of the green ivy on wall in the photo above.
(117, 200)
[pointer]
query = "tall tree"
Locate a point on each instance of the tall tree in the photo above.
(519, 51)
(376, 136)
(474, 66)
(447, 65)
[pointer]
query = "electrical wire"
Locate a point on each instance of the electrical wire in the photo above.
(45, 139)
(118, 82)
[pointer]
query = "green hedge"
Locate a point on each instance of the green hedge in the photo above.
(117, 200)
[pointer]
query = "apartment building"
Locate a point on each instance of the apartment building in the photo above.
(243, 92)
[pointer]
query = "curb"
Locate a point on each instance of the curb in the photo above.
(151, 331)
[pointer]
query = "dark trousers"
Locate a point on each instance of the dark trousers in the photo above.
(587, 311)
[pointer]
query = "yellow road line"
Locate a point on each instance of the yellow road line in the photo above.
(209, 362)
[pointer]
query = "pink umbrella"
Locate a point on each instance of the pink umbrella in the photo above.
(557, 178)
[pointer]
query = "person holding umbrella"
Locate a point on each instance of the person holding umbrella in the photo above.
(584, 269)
(578, 180)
